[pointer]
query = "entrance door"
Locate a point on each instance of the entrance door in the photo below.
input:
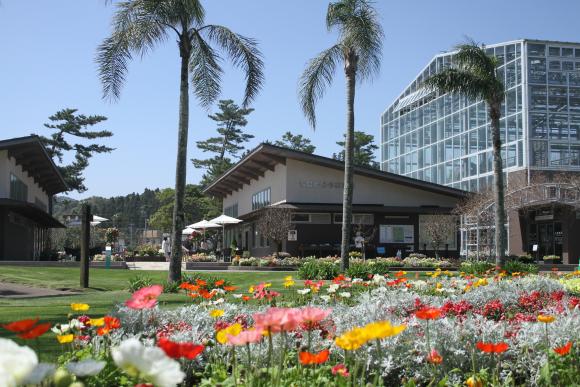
(550, 238)
(546, 239)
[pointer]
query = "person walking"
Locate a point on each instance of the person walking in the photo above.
(166, 248)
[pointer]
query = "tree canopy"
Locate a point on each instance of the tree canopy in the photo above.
(364, 150)
(296, 142)
(67, 123)
(228, 144)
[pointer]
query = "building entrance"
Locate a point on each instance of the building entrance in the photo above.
(548, 236)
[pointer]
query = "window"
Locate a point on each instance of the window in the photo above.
(311, 218)
(18, 190)
(536, 50)
(232, 210)
(362, 219)
(261, 199)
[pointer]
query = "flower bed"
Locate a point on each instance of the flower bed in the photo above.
(447, 329)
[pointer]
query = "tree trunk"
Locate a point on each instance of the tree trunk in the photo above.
(500, 220)
(180, 168)
(350, 72)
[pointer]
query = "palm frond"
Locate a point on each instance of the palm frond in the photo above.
(473, 57)
(315, 78)
(452, 80)
(134, 32)
(244, 54)
(359, 28)
(205, 70)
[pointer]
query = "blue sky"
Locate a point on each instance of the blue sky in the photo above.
(47, 51)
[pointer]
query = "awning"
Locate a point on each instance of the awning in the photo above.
(32, 212)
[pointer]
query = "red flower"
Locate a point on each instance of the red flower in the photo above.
(178, 350)
(219, 282)
(492, 347)
(434, 357)
(20, 326)
(564, 350)
(307, 358)
(110, 324)
(200, 282)
(34, 332)
(230, 288)
(428, 313)
(340, 369)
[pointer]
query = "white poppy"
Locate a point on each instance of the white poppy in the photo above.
(325, 298)
(333, 288)
(237, 295)
(218, 301)
(61, 329)
(16, 363)
(88, 367)
(303, 291)
(344, 294)
(148, 363)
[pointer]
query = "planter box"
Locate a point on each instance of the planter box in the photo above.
(93, 265)
(148, 258)
(262, 268)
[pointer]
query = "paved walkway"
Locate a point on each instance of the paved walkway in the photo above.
(16, 291)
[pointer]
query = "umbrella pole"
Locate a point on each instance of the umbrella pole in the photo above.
(224, 242)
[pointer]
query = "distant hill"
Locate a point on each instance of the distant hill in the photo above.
(122, 211)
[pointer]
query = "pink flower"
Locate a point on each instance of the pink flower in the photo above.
(311, 316)
(278, 319)
(340, 369)
(145, 298)
(245, 337)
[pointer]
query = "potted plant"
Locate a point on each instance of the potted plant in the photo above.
(551, 259)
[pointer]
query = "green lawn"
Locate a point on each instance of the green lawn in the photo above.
(108, 287)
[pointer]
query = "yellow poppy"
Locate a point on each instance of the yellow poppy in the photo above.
(97, 322)
(64, 339)
(79, 307)
(233, 330)
(215, 313)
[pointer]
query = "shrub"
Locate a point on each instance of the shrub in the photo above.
(551, 258)
(171, 287)
(379, 267)
(355, 254)
(138, 282)
(318, 270)
(359, 270)
(475, 267)
(147, 251)
(514, 266)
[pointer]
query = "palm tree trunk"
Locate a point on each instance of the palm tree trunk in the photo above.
(180, 168)
(500, 220)
(350, 72)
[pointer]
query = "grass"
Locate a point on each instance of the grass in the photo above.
(108, 287)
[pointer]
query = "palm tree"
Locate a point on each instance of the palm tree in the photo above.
(138, 27)
(359, 49)
(474, 75)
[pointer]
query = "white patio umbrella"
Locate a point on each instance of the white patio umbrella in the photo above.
(188, 231)
(223, 220)
(98, 220)
(202, 225)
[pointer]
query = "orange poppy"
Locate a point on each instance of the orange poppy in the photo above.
(434, 357)
(230, 288)
(193, 295)
(307, 358)
(219, 282)
(246, 298)
(564, 350)
(110, 324)
(492, 347)
(200, 282)
(428, 313)
(205, 294)
(34, 332)
(21, 325)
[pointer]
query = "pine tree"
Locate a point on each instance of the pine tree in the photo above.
(364, 150)
(67, 122)
(296, 142)
(225, 147)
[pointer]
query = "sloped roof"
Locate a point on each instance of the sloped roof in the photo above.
(31, 155)
(266, 156)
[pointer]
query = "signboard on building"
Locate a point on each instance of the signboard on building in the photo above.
(292, 235)
(397, 233)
